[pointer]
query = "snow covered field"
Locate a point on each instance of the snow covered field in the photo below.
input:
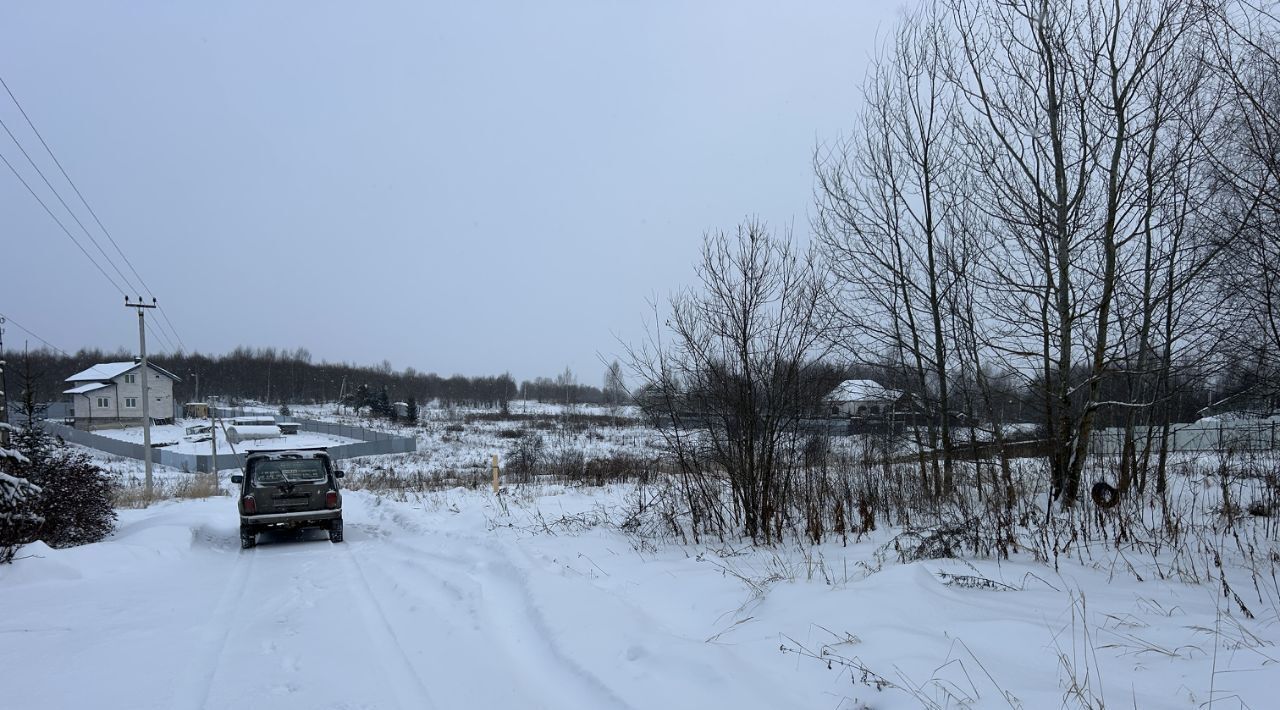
(549, 597)
(458, 600)
(457, 441)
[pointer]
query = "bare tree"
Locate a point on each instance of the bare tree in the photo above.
(884, 200)
(615, 387)
(730, 374)
(566, 382)
(1246, 182)
(1068, 101)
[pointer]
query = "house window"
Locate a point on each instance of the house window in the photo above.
(131, 402)
(130, 379)
(104, 402)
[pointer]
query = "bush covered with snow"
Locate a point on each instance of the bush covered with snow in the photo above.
(18, 500)
(72, 503)
(75, 501)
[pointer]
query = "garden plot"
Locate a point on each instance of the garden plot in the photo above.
(173, 438)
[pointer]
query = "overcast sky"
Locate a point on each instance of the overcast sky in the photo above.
(465, 187)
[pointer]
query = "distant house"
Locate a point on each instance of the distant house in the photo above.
(861, 398)
(110, 394)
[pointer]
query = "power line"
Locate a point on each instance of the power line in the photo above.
(163, 337)
(72, 183)
(165, 316)
(69, 234)
(65, 206)
(62, 226)
(87, 206)
(28, 332)
(75, 241)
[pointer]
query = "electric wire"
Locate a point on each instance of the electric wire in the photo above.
(31, 124)
(65, 206)
(174, 330)
(92, 212)
(72, 183)
(63, 227)
(158, 339)
(28, 331)
(168, 344)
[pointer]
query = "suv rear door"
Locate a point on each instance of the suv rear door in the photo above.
(289, 485)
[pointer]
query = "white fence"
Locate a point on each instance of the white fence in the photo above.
(1230, 435)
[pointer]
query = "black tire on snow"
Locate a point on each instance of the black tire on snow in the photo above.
(1104, 495)
(335, 530)
(248, 538)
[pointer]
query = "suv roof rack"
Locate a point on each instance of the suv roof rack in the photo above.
(288, 453)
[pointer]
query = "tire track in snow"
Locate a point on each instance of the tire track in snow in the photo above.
(471, 558)
(192, 690)
(409, 691)
(515, 625)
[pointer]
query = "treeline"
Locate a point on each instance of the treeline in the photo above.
(275, 376)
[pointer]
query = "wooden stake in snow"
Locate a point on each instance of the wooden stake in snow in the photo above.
(495, 473)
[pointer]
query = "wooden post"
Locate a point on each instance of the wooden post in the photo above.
(495, 473)
(213, 447)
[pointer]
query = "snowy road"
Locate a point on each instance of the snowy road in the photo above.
(171, 614)
(457, 601)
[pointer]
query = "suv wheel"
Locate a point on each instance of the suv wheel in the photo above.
(248, 538)
(335, 530)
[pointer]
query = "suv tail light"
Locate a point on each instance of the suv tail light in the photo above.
(331, 499)
(249, 504)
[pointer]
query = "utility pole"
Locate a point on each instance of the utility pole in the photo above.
(4, 398)
(146, 397)
(213, 445)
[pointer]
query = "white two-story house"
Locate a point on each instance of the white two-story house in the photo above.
(110, 394)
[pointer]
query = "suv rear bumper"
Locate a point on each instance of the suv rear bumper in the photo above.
(293, 518)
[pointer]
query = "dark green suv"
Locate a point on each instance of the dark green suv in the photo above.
(288, 490)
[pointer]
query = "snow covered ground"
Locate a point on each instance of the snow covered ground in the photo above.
(175, 435)
(454, 440)
(456, 599)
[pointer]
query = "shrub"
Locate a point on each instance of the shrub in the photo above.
(75, 500)
(526, 457)
(74, 503)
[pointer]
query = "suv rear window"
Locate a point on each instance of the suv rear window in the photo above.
(267, 473)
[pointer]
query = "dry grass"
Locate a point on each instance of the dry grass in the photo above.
(132, 493)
